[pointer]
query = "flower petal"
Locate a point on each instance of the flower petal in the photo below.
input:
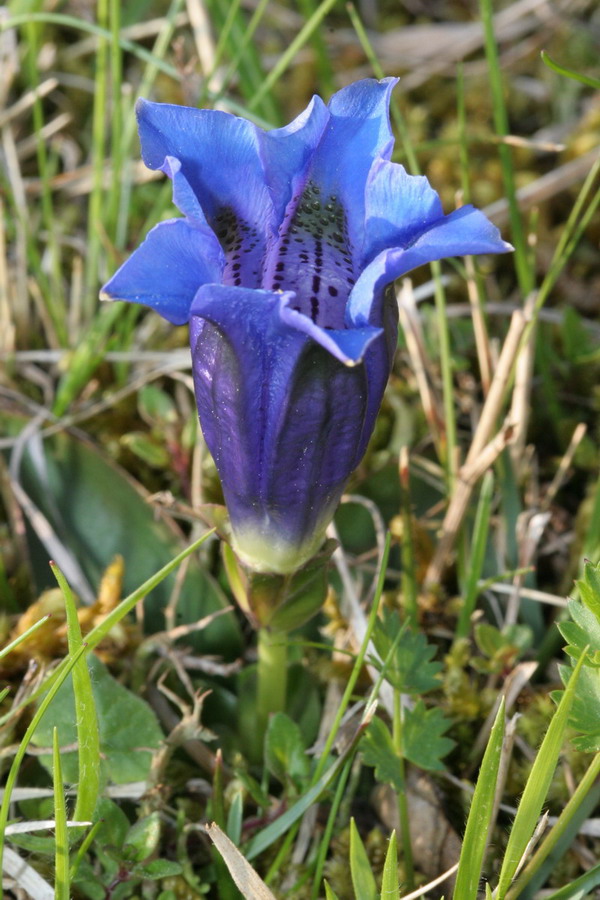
(219, 157)
(324, 222)
(464, 231)
(219, 153)
(399, 207)
(168, 268)
(286, 153)
(282, 417)
(359, 133)
(347, 345)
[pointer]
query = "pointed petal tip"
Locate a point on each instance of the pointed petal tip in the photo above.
(348, 346)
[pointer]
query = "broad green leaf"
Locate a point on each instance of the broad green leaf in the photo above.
(129, 730)
(158, 868)
(480, 814)
(412, 669)
(143, 837)
(285, 751)
(156, 406)
(493, 643)
(100, 511)
(423, 741)
(537, 786)
(113, 822)
(363, 880)
(390, 889)
(146, 448)
(378, 750)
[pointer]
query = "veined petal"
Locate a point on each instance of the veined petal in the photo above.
(282, 417)
(219, 157)
(398, 208)
(359, 132)
(286, 153)
(318, 252)
(184, 197)
(167, 269)
(212, 147)
(465, 231)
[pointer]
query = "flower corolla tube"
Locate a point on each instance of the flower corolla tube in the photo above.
(282, 264)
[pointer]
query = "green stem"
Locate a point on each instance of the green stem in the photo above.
(402, 799)
(272, 677)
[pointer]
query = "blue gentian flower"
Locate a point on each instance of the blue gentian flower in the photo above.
(282, 265)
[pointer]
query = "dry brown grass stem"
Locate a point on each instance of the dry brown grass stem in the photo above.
(484, 449)
(520, 409)
(431, 49)
(7, 328)
(28, 146)
(138, 32)
(27, 100)
(78, 182)
(468, 476)
(420, 363)
(203, 39)
(482, 342)
(565, 463)
(493, 403)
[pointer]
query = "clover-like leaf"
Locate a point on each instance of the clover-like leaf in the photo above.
(285, 751)
(585, 711)
(378, 751)
(143, 837)
(157, 868)
(423, 741)
(412, 669)
(589, 588)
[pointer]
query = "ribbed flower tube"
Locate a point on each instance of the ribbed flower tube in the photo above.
(283, 264)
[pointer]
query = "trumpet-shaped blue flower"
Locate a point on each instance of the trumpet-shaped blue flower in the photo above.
(282, 265)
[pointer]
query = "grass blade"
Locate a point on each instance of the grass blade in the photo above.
(97, 634)
(16, 763)
(88, 735)
(580, 888)
(569, 818)
(23, 637)
(518, 236)
(61, 834)
(569, 73)
(480, 535)
(288, 55)
(537, 786)
(363, 880)
(480, 815)
(390, 889)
